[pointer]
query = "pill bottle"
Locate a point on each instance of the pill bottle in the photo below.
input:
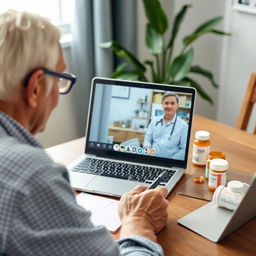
(217, 174)
(229, 197)
(201, 148)
(212, 155)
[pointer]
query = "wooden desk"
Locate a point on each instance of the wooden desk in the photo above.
(240, 149)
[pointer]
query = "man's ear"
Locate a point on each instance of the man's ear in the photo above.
(33, 88)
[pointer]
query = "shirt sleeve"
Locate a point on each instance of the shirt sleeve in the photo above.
(137, 245)
(180, 154)
(148, 139)
(48, 221)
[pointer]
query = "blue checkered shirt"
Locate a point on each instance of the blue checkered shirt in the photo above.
(38, 211)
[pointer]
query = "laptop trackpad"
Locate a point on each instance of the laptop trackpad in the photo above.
(79, 180)
(110, 186)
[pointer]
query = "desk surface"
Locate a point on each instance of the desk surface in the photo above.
(240, 150)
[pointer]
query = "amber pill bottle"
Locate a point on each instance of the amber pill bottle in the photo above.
(212, 155)
(217, 175)
(201, 148)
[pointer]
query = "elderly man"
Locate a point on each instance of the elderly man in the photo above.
(38, 211)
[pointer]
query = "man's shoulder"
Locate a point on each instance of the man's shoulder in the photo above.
(17, 152)
(20, 162)
(182, 122)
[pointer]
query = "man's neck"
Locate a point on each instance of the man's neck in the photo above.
(168, 119)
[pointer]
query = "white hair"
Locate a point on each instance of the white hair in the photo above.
(168, 93)
(27, 41)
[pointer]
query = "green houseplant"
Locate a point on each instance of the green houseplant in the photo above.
(165, 67)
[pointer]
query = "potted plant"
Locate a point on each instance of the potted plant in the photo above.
(166, 68)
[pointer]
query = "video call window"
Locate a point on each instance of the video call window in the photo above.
(136, 120)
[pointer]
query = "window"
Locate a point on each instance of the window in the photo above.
(59, 11)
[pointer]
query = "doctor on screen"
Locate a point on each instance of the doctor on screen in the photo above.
(167, 134)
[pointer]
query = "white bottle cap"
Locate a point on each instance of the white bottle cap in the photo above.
(246, 187)
(202, 135)
(216, 194)
(236, 186)
(219, 164)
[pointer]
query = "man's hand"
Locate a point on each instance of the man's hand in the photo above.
(143, 212)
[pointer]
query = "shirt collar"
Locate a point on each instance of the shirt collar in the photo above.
(173, 120)
(11, 127)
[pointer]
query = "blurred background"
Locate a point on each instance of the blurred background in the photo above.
(87, 23)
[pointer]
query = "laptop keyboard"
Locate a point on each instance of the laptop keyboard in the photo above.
(133, 172)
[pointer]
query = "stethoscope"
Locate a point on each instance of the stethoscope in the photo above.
(161, 121)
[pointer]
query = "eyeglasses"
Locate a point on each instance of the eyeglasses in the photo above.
(65, 83)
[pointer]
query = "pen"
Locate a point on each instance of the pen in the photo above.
(158, 180)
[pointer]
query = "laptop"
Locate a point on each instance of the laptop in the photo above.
(115, 158)
(215, 223)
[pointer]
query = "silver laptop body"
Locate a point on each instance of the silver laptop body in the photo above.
(215, 223)
(112, 109)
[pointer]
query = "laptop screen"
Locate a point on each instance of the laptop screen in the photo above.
(138, 121)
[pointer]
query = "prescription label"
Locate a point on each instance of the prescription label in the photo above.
(217, 179)
(200, 154)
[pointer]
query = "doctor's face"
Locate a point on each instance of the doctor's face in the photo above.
(170, 106)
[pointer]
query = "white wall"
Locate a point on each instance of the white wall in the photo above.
(239, 60)
(207, 49)
(125, 108)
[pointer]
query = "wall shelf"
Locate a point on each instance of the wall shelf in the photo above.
(251, 9)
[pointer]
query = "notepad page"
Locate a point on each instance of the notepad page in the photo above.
(104, 210)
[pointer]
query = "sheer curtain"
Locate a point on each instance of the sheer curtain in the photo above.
(98, 21)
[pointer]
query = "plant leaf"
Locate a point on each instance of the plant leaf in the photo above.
(181, 83)
(209, 24)
(155, 15)
(199, 89)
(176, 24)
(181, 65)
(204, 28)
(154, 40)
(219, 32)
(155, 77)
(121, 66)
(190, 39)
(204, 72)
(122, 52)
(126, 75)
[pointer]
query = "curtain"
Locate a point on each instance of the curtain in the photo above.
(98, 21)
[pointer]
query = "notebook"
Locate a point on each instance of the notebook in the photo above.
(215, 223)
(124, 118)
(104, 210)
